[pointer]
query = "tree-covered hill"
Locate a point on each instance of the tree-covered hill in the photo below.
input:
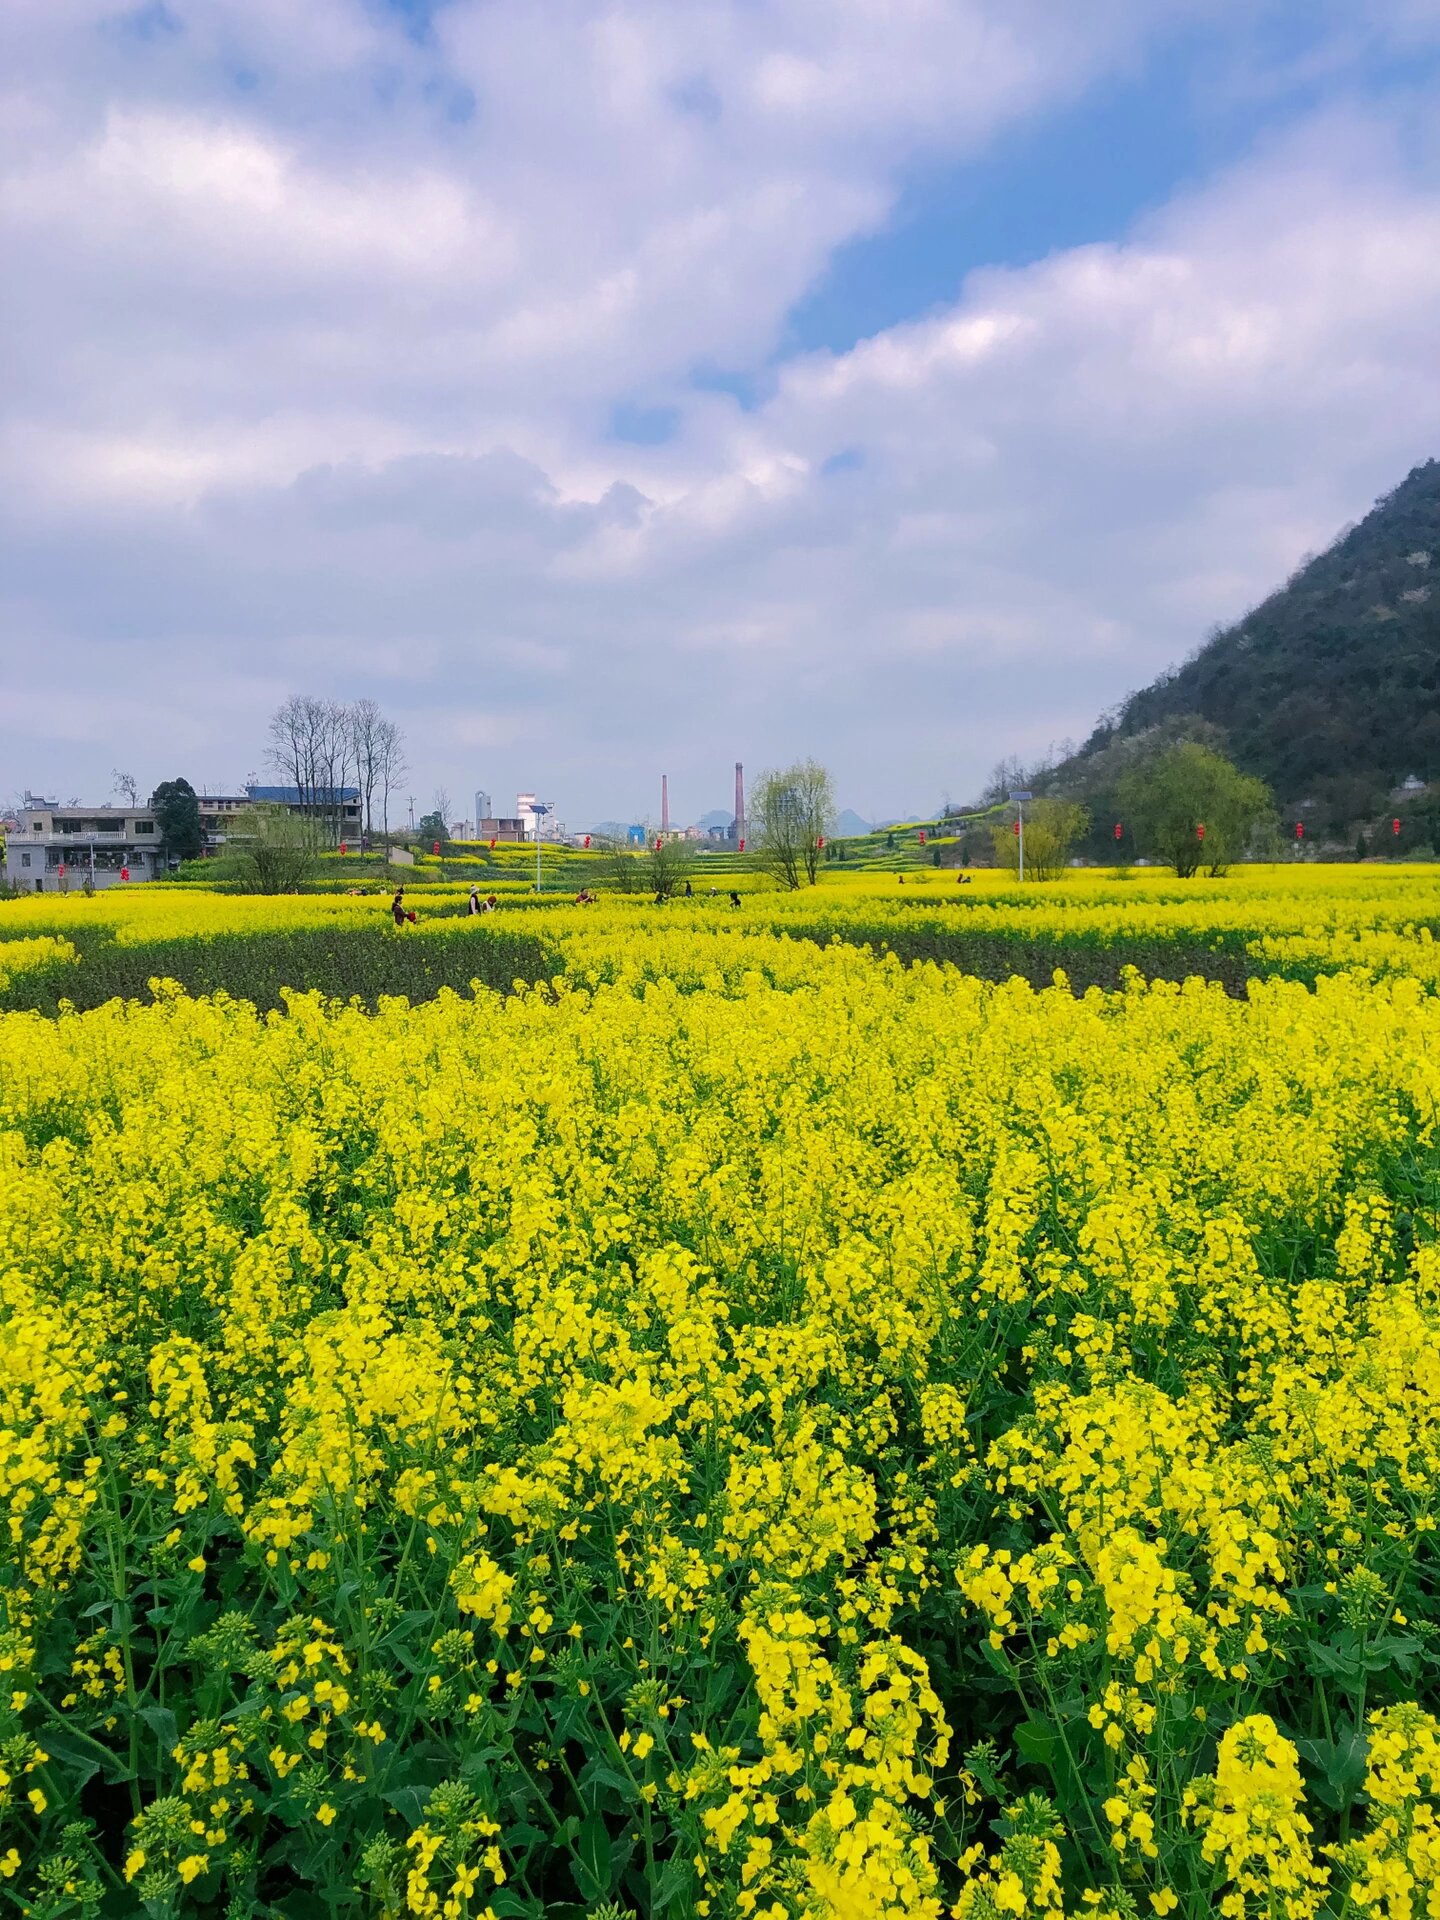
(1329, 690)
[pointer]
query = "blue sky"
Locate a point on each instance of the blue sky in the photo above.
(611, 389)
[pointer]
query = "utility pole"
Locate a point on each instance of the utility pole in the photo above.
(1020, 798)
(739, 802)
(539, 808)
(664, 803)
(412, 813)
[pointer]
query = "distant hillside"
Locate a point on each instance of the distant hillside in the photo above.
(1329, 690)
(847, 823)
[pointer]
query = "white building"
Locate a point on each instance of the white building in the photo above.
(551, 828)
(57, 849)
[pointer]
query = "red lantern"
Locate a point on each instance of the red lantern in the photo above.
(344, 849)
(435, 847)
(1200, 831)
(1394, 826)
(657, 843)
(922, 836)
(124, 873)
(62, 869)
(742, 846)
(587, 843)
(492, 846)
(821, 840)
(1299, 829)
(1117, 829)
(1015, 829)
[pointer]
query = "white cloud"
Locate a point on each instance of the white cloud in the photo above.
(315, 376)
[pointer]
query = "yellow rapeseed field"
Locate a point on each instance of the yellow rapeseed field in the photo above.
(744, 1427)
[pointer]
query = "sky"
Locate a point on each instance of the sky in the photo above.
(612, 388)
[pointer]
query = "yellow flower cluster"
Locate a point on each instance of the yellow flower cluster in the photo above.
(745, 1428)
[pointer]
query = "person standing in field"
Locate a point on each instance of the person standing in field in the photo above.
(474, 906)
(397, 907)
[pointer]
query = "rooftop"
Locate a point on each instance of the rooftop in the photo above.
(315, 796)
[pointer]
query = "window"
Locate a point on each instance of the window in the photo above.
(144, 826)
(39, 886)
(24, 859)
(37, 826)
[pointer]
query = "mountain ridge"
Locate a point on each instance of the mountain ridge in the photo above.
(1328, 690)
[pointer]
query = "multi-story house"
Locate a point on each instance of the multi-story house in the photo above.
(337, 813)
(55, 849)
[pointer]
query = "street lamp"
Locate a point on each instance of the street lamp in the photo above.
(1020, 798)
(539, 808)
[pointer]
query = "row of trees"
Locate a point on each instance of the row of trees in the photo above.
(320, 747)
(1184, 804)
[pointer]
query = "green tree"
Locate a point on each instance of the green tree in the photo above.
(668, 865)
(618, 868)
(1052, 828)
(431, 827)
(177, 817)
(276, 850)
(1191, 807)
(789, 810)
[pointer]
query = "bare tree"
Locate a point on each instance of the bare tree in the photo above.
(335, 761)
(391, 766)
(790, 810)
(440, 802)
(296, 751)
(1006, 777)
(366, 723)
(321, 747)
(126, 785)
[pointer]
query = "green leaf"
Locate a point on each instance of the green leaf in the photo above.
(597, 1779)
(80, 1760)
(161, 1722)
(409, 1803)
(1037, 1741)
(673, 1883)
(593, 1859)
(506, 1904)
(1336, 1768)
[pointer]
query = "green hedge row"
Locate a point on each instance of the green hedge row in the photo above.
(342, 962)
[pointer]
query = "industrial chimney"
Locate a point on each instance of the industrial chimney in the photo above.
(664, 803)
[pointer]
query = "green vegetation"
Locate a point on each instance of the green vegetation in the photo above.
(177, 819)
(668, 865)
(1328, 692)
(1190, 807)
(1052, 828)
(276, 851)
(343, 963)
(789, 810)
